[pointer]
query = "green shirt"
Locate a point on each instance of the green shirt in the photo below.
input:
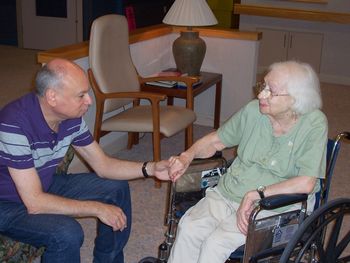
(263, 159)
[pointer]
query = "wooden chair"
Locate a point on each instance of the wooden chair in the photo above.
(116, 85)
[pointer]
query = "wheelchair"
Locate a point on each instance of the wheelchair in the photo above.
(267, 237)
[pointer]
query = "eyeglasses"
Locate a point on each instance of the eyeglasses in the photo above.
(264, 89)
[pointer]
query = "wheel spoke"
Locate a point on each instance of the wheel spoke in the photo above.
(334, 234)
(342, 245)
(320, 251)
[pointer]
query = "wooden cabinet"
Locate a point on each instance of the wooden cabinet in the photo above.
(280, 45)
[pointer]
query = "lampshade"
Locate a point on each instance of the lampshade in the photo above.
(189, 49)
(190, 13)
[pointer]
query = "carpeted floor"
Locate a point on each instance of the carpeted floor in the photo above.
(17, 69)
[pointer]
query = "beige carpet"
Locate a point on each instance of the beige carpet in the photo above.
(17, 69)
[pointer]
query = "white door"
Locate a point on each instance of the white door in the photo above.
(43, 32)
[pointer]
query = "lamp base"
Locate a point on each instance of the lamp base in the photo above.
(189, 50)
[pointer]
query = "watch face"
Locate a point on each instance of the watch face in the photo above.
(261, 188)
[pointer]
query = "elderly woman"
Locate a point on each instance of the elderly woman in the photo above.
(281, 140)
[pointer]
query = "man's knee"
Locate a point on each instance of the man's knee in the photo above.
(120, 187)
(68, 234)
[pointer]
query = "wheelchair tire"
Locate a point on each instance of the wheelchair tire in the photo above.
(310, 235)
(149, 260)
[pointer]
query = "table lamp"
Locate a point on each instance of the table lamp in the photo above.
(189, 49)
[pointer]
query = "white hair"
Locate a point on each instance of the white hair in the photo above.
(303, 85)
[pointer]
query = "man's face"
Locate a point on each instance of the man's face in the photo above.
(73, 100)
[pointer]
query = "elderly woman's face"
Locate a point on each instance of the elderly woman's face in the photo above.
(274, 99)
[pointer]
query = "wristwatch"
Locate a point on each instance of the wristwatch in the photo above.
(261, 190)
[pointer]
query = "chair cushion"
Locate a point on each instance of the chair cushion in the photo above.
(17, 252)
(139, 119)
(63, 166)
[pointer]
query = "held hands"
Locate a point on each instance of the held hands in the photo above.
(161, 170)
(172, 168)
(178, 166)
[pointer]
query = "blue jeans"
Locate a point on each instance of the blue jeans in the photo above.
(61, 235)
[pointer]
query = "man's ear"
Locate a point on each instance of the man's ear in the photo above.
(50, 96)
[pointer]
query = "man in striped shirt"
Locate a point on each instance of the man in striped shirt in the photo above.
(37, 206)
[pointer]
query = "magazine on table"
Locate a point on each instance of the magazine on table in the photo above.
(166, 83)
(170, 83)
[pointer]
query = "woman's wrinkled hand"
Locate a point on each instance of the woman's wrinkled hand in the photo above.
(246, 207)
(178, 166)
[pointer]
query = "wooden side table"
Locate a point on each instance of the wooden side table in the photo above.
(207, 79)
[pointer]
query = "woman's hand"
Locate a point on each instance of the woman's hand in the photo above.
(246, 207)
(179, 165)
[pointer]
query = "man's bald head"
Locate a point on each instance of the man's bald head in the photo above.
(55, 73)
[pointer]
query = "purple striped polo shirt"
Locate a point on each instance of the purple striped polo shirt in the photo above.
(27, 141)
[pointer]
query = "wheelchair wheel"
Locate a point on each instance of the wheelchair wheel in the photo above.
(149, 260)
(309, 243)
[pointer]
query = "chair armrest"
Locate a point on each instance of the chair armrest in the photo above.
(156, 97)
(280, 200)
(153, 97)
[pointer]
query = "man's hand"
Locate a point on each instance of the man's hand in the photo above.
(112, 216)
(161, 170)
(246, 207)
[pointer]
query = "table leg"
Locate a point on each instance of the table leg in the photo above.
(217, 105)
(170, 100)
(189, 136)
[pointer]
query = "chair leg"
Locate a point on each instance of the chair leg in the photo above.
(133, 139)
(136, 138)
(189, 136)
(156, 157)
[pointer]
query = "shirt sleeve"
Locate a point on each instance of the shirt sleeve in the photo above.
(83, 137)
(15, 150)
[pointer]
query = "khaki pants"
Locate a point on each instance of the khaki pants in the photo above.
(208, 232)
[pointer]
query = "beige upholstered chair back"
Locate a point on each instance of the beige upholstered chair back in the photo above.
(110, 59)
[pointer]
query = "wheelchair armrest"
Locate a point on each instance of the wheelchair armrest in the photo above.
(280, 200)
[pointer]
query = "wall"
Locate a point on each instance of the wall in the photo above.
(335, 63)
